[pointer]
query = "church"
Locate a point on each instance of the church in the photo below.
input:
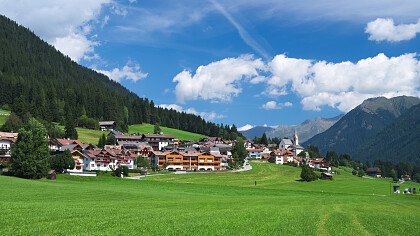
(287, 144)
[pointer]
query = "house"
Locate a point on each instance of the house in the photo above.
(127, 138)
(320, 164)
(6, 142)
(78, 157)
(107, 125)
(374, 172)
(158, 141)
(254, 153)
(108, 159)
(189, 160)
(281, 157)
(57, 144)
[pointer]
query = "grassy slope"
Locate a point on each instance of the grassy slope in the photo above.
(217, 203)
(179, 134)
(3, 116)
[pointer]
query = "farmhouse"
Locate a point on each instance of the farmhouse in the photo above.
(107, 125)
(374, 172)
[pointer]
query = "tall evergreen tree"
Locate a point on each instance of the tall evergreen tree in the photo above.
(31, 154)
(264, 139)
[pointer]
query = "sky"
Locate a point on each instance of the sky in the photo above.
(247, 62)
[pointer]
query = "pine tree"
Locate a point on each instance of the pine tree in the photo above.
(264, 139)
(31, 154)
(102, 141)
(239, 152)
(156, 129)
(308, 174)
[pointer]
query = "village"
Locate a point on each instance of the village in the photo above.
(165, 152)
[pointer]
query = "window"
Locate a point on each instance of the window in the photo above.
(92, 165)
(201, 160)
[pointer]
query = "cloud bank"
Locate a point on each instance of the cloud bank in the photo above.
(218, 81)
(385, 30)
(342, 85)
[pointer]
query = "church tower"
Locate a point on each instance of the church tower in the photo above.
(295, 138)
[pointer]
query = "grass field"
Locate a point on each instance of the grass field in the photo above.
(207, 204)
(3, 116)
(179, 134)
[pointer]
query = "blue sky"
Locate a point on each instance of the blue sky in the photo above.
(243, 62)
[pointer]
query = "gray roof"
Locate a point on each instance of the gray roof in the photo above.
(287, 141)
(107, 122)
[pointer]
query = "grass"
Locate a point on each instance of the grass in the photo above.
(207, 204)
(179, 134)
(3, 116)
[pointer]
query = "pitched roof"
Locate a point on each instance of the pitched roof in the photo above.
(65, 142)
(107, 122)
(158, 136)
(287, 141)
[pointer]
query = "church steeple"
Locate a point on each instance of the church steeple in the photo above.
(295, 138)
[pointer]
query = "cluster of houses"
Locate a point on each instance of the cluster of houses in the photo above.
(286, 152)
(166, 152)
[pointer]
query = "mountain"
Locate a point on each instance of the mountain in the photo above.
(39, 80)
(362, 123)
(256, 131)
(306, 130)
(399, 141)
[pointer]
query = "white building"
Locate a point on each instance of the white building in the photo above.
(254, 153)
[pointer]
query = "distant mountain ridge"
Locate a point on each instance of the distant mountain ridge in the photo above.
(361, 124)
(306, 129)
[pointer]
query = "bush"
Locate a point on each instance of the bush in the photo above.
(63, 161)
(354, 172)
(361, 173)
(121, 170)
(308, 174)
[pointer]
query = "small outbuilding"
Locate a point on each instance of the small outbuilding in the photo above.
(326, 176)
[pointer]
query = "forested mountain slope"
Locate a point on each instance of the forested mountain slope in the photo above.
(361, 124)
(38, 79)
(398, 142)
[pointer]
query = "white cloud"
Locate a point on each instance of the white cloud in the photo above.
(205, 115)
(344, 85)
(64, 24)
(385, 30)
(245, 127)
(273, 105)
(131, 71)
(218, 81)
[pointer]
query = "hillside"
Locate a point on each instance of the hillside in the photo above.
(179, 134)
(397, 142)
(306, 130)
(208, 204)
(38, 79)
(361, 124)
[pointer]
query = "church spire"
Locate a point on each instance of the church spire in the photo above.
(295, 138)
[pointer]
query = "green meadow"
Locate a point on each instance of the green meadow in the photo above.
(179, 134)
(3, 116)
(207, 204)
